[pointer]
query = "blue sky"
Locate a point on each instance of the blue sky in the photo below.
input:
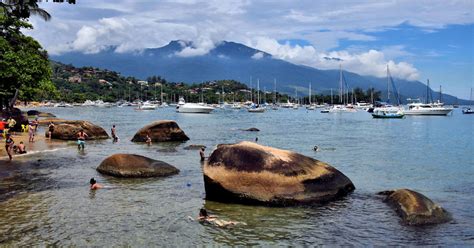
(417, 39)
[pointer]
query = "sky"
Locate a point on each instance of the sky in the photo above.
(419, 40)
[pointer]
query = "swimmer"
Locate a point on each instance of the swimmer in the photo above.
(148, 140)
(212, 219)
(316, 148)
(81, 139)
(95, 185)
(201, 153)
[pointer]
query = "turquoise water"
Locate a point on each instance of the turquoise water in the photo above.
(48, 201)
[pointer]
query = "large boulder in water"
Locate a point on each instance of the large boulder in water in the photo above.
(415, 208)
(68, 130)
(254, 174)
(131, 165)
(159, 131)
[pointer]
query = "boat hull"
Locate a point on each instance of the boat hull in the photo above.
(388, 116)
(428, 112)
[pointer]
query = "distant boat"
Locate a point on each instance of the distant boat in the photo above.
(416, 107)
(388, 111)
(146, 106)
(469, 110)
(200, 108)
(258, 108)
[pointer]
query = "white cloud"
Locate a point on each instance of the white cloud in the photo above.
(134, 25)
(372, 62)
(258, 55)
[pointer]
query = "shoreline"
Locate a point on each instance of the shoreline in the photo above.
(41, 144)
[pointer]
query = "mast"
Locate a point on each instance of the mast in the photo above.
(251, 90)
(440, 94)
(332, 103)
(388, 85)
(341, 92)
(161, 93)
(309, 94)
(258, 91)
(371, 94)
(274, 90)
(353, 97)
(429, 96)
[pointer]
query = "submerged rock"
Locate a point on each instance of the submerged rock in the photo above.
(131, 165)
(254, 174)
(159, 131)
(252, 129)
(67, 130)
(194, 147)
(415, 208)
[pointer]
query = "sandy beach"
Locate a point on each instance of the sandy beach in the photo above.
(40, 144)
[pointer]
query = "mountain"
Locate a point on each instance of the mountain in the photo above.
(230, 60)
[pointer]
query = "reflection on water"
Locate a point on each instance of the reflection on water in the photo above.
(45, 198)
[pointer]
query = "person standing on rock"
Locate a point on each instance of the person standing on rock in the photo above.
(202, 155)
(114, 134)
(9, 143)
(81, 139)
(50, 130)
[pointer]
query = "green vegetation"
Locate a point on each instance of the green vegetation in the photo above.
(24, 64)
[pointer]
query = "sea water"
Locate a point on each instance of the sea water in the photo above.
(45, 197)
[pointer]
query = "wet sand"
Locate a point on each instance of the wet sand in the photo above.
(40, 144)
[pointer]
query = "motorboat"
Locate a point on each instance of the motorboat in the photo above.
(416, 107)
(363, 105)
(341, 109)
(200, 108)
(325, 110)
(146, 106)
(256, 109)
(288, 104)
(62, 105)
(236, 106)
(388, 112)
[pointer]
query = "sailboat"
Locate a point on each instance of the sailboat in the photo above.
(310, 106)
(343, 97)
(469, 110)
(257, 108)
(275, 105)
(389, 111)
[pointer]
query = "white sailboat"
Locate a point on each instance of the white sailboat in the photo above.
(469, 110)
(258, 108)
(389, 111)
(343, 97)
(310, 106)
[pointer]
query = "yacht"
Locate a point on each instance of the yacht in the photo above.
(416, 107)
(468, 110)
(257, 108)
(236, 106)
(184, 107)
(146, 106)
(363, 105)
(288, 104)
(341, 109)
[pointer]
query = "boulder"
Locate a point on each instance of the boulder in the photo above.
(68, 130)
(250, 173)
(39, 113)
(54, 120)
(252, 129)
(194, 147)
(33, 112)
(415, 208)
(159, 131)
(131, 165)
(46, 114)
